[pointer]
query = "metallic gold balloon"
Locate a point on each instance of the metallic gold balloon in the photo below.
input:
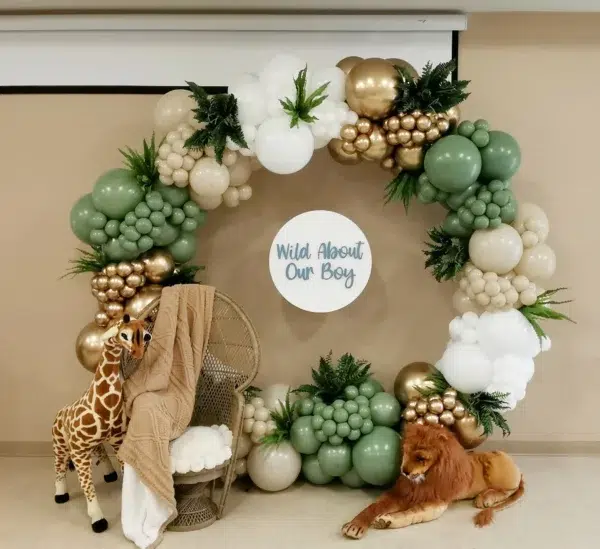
(408, 122)
(423, 123)
(116, 282)
(94, 283)
(379, 147)
(393, 123)
(443, 125)
(349, 132)
(431, 419)
(362, 143)
(101, 297)
(410, 377)
(449, 402)
(127, 292)
(144, 298)
(468, 432)
(446, 418)
(158, 265)
(124, 269)
(392, 139)
(412, 403)
(404, 136)
(363, 125)
(89, 345)
(453, 115)
(435, 406)
(348, 63)
(371, 88)
(451, 392)
(410, 158)
(348, 147)
(114, 309)
(138, 266)
(340, 155)
(459, 410)
(410, 414)
(420, 421)
(112, 295)
(110, 270)
(387, 163)
(421, 407)
(101, 319)
(408, 68)
(418, 137)
(432, 135)
(134, 280)
(102, 282)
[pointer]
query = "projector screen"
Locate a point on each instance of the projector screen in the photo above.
(212, 50)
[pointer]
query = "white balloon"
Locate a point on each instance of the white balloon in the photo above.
(249, 133)
(274, 467)
(281, 149)
(336, 89)
(209, 178)
(206, 202)
(240, 172)
(322, 141)
(172, 109)
(513, 370)
(274, 108)
(351, 117)
(275, 395)
(245, 192)
(466, 367)
(252, 106)
(241, 467)
(456, 328)
(244, 446)
(280, 69)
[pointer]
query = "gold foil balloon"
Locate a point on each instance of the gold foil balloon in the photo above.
(101, 319)
(410, 377)
(138, 303)
(339, 155)
(114, 309)
(371, 88)
(468, 432)
(158, 265)
(89, 345)
(453, 116)
(348, 63)
(408, 68)
(378, 145)
(447, 418)
(410, 158)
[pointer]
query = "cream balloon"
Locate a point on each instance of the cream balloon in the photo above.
(537, 263)
(255, 165)
(530, 217)
(172, 109)
(498, 250)
(462, 303)
(206, 202)
(240, 171)
(231, 197)
(275, 395)
(245, 192)
(244, 446)
(274, 467)
(209, 178)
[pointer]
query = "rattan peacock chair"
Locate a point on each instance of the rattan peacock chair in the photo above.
(230, 365)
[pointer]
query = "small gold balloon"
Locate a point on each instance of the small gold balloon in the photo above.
(94, 283)
(446, 418)
(468, 432)
(406, 67)
(102, 282)
(459, 410)
(420, 421)
(423, 123)
(410, 377)
(95, 292)
(410, 158)
(363, 125)
(101, 296)
(392, 139)
(404, 136)
(387, 163)
(431, 419)
(418, 137)
(408, 122)
(348, 63)
(348, 147)
(158, 266)
(435, 406)
(449, 402)
(127, 292)
(416, 113)
(101, 319)
(379, 147)
(393, 123)
(134, 280)
(432, 135)
(349, 132)
(451, 393)
(412, 403)
(362, 143)
(124, 269)
(410, 414)
(112, 295)
(116, 282)
(145, 297)
(421, 407)
(443, 125)
(137, 266)
(453, 115)
(371, 88)
(114, 310)
(89, 345)
(110, 270)
(335, 148)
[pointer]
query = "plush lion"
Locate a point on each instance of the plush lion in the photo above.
(436, 471)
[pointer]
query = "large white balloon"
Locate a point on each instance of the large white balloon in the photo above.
(336, 90)
(513, 370)
(466, 367)
(279, 72)
(251, 101)
(275, 467)
(209, 178)
(281, 149)
(275, 395)
(172, 109)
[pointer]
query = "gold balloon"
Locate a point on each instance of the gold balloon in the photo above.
(432, 135)
(362, 143)
(436, 406)
(110, 270)
(410, 414)
(101, 319)
(451, 392)
(412, 403)
(449, 402)
(138, 266)
(421, 407)
(420, 421)
(340, 155)
(423, 123)
(101, 296)
(410, 158)
(94, 283)
(443, 125)
(348, 147)
(459, 410)
(408, 68)
(404, 136)
(143, 299)
(453, 115)
(363, 125)
(116, 282)
(418, 137)
(101, 282)
(468, 432)
(393, 123)
(379, 147)
(392, 139)
(134, 280)
(127, 292)
(348, 63)
(371, 88)
(410, 377)
(89, 345)
(432, 419)
(349, 132)
(158, 265)
(388, 162)
(113, 309)
(112, 295)
(124, 269)
(446, 418)
(408, 122)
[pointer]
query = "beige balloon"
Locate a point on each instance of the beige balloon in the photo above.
(240, 172)
(244, 192)
(462, 303)
(172, 109)
(231, 197)
(89, 345)
(498, 250)
(530, 217)
(209, 178)
(206, 202)
(537, 263)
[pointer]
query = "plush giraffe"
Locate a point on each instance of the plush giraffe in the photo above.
(80, 429)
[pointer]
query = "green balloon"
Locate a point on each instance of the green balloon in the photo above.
(131, 234)
(367, 426)
(191, 209)
(367, 389)
(385, 410)
(142, 210)
(112, 228)
(184, 248)
(343, 430)
(157, 219)
(114, 250)
(352, 479)
(376, 456)
(130, 247)
(361, 399)
(355, 434)
(329, 427)
(175, 196)
(480, 137)
(317, 422)
(508, 212)
(466, 128)
(306, 406)
(456, 200)
(98, 236)
(131, 218)
(364, 411)
(320, 435)
(302, 436)
(355, 421)
(318, 409)
(165, 235)
(155, 201)
(177, 217)
(335, 440)
(117, 192)
(351, 392)
(501, 157)
(351, 406)
(454, 227)
(327, 412)
(98, 220)
(167, 210)
(80, 216)
(143, 225)
(312, 471)
(189, 225)
(453, 163)
(340, 415)
(335, 461)
(145, 243)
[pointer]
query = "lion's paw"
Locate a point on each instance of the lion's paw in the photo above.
(353, 530)
(382, 522)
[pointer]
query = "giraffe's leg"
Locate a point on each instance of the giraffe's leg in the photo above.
(83, 465)
(61, 461)
(99, 453)
(116, 442)
(414, 515)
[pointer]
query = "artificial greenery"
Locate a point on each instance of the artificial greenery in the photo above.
(432, 91)
(250, 392)
(446, 254)
(329, 380)
(88, 262)
(283, 417)
(143, 164)
(486, 408)
(218, 116)
(541, 310)
(402, 188)
(299, 110)
(184, 274)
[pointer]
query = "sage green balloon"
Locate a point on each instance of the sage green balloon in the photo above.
(112, 228)
(335, 460)
(501, 157)
(175, 196)
(81, 214)
(376, 456)
(302, 436)
(385, 409)
(114, 251)
(312, 471)
(454, 227)
(456, 200)
(117, 192)
(453, 163)
(184, 248)
(164, 235)
(352, 479)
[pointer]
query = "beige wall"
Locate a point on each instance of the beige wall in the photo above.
(535, 76)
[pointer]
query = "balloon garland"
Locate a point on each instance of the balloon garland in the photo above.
(141, 220)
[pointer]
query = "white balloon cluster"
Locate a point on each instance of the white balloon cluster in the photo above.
(265, 125)
(493, 352)
(257, 420)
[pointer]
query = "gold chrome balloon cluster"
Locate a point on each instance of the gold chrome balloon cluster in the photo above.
(443, 409)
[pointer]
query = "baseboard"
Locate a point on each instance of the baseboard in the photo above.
(516, 447)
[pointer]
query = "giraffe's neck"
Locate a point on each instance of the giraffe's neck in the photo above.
(108, 368)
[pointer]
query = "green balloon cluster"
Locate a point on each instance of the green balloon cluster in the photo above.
(326, 434)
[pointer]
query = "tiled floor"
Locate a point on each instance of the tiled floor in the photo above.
(561, 510)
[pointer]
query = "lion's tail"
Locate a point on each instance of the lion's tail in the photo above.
(486, 516)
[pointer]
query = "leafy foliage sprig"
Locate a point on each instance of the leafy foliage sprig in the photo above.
(299, 110)
(88, 262)
(283, 418)
(143, 164)
(250, 392)
(541, 310)
(446, 254)
(402, 188)
(218, 115)
(184, 274)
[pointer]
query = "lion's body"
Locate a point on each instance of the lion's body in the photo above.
(437, 471)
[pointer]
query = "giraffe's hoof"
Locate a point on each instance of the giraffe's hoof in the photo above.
(111, 477)
(100, 525)
(61, 498)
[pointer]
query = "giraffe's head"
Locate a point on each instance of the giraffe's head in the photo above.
(131, 334)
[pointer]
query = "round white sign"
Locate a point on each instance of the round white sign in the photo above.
(320, 261)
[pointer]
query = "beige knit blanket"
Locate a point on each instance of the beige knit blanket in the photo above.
(159, 395)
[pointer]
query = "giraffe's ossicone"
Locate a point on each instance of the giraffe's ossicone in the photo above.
(81, 429)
